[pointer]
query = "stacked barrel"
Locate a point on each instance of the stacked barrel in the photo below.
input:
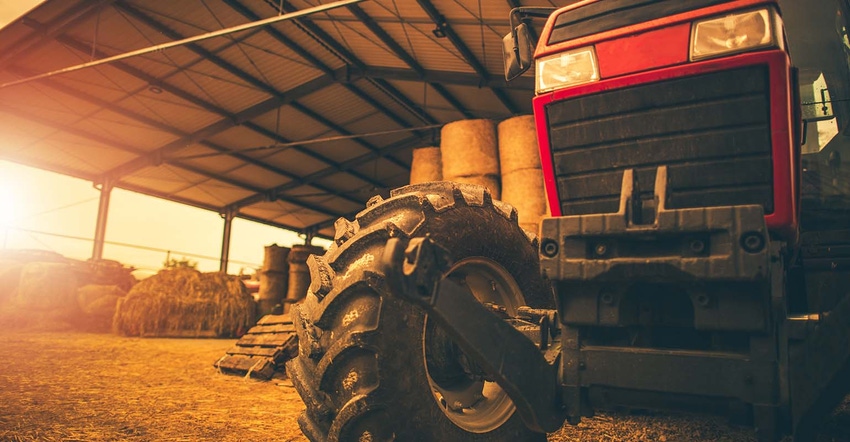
(274, 279)
(299, 274)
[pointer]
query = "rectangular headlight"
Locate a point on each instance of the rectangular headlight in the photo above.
(566, 69)
(733, 33)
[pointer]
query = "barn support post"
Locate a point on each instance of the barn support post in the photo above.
(309, 234)
(102, 214)
(227, 216)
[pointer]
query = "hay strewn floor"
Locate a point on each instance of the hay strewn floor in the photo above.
(93, 387)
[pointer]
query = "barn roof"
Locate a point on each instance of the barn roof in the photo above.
(260, 123)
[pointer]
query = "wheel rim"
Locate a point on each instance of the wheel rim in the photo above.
(461, 390)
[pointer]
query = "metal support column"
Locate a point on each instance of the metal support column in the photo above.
(309, 234)
(228, 216)
(102, 214)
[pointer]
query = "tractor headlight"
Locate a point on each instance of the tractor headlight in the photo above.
(734, 33)
(566, 69)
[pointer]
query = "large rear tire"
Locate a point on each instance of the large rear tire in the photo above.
(371, 367)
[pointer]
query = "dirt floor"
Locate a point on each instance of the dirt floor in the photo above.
(99, 387)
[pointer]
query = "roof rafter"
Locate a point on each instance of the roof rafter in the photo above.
(183, 165)
(406, 58)
(241, 74)
(313, 60)
(467, 55)
(443, 77)
(165, 196)
(158, 157)
(218, 61)
(46, 32)
(315, 176)
(325, 39)
(199, 136)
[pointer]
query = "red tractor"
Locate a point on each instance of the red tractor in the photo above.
(697, 254)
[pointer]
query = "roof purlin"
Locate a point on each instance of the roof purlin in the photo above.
(313, 177)
(228, 117)
(78, 13)
(228, 67)
(127, 148)
(219, 126)
(410, 61)
(458, 43)
(351, 58)
(312, 59)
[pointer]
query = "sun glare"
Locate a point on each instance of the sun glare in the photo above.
(8, 205)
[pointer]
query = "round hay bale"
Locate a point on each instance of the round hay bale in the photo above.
(98, 304)
(99, 300)
(524, 190)
(47, 286)
(276, 258)
(518, 144)
(184, 302)
(110, 272)
(469, 149)
(427, 165)
(299, 274)
(491, 182)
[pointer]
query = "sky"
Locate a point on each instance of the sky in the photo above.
(48, 211)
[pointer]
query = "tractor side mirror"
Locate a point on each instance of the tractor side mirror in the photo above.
(517, 51)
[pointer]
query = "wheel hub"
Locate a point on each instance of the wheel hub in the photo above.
(461, 388)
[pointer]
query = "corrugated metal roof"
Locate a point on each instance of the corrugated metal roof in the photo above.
(204, 124)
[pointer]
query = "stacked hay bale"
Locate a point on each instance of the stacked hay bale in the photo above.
(470, 154)
(107, 272)
(521, 173)
(183, 302)
(427, 165)
(47, 286)
(274, 279)
(42, 298)
(299, 274)
(97, 303)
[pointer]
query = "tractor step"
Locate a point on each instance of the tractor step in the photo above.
(262, 352)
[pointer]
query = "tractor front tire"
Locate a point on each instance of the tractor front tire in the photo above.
(371, 367)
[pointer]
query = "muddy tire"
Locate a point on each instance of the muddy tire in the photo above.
(370, 367)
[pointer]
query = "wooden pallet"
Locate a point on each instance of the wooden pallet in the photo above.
(262, 352)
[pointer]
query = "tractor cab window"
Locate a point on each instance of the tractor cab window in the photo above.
(817, 34)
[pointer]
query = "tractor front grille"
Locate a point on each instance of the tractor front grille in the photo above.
(712, 131)
(613, 14)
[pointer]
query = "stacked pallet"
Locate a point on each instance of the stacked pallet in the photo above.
(262, 351)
